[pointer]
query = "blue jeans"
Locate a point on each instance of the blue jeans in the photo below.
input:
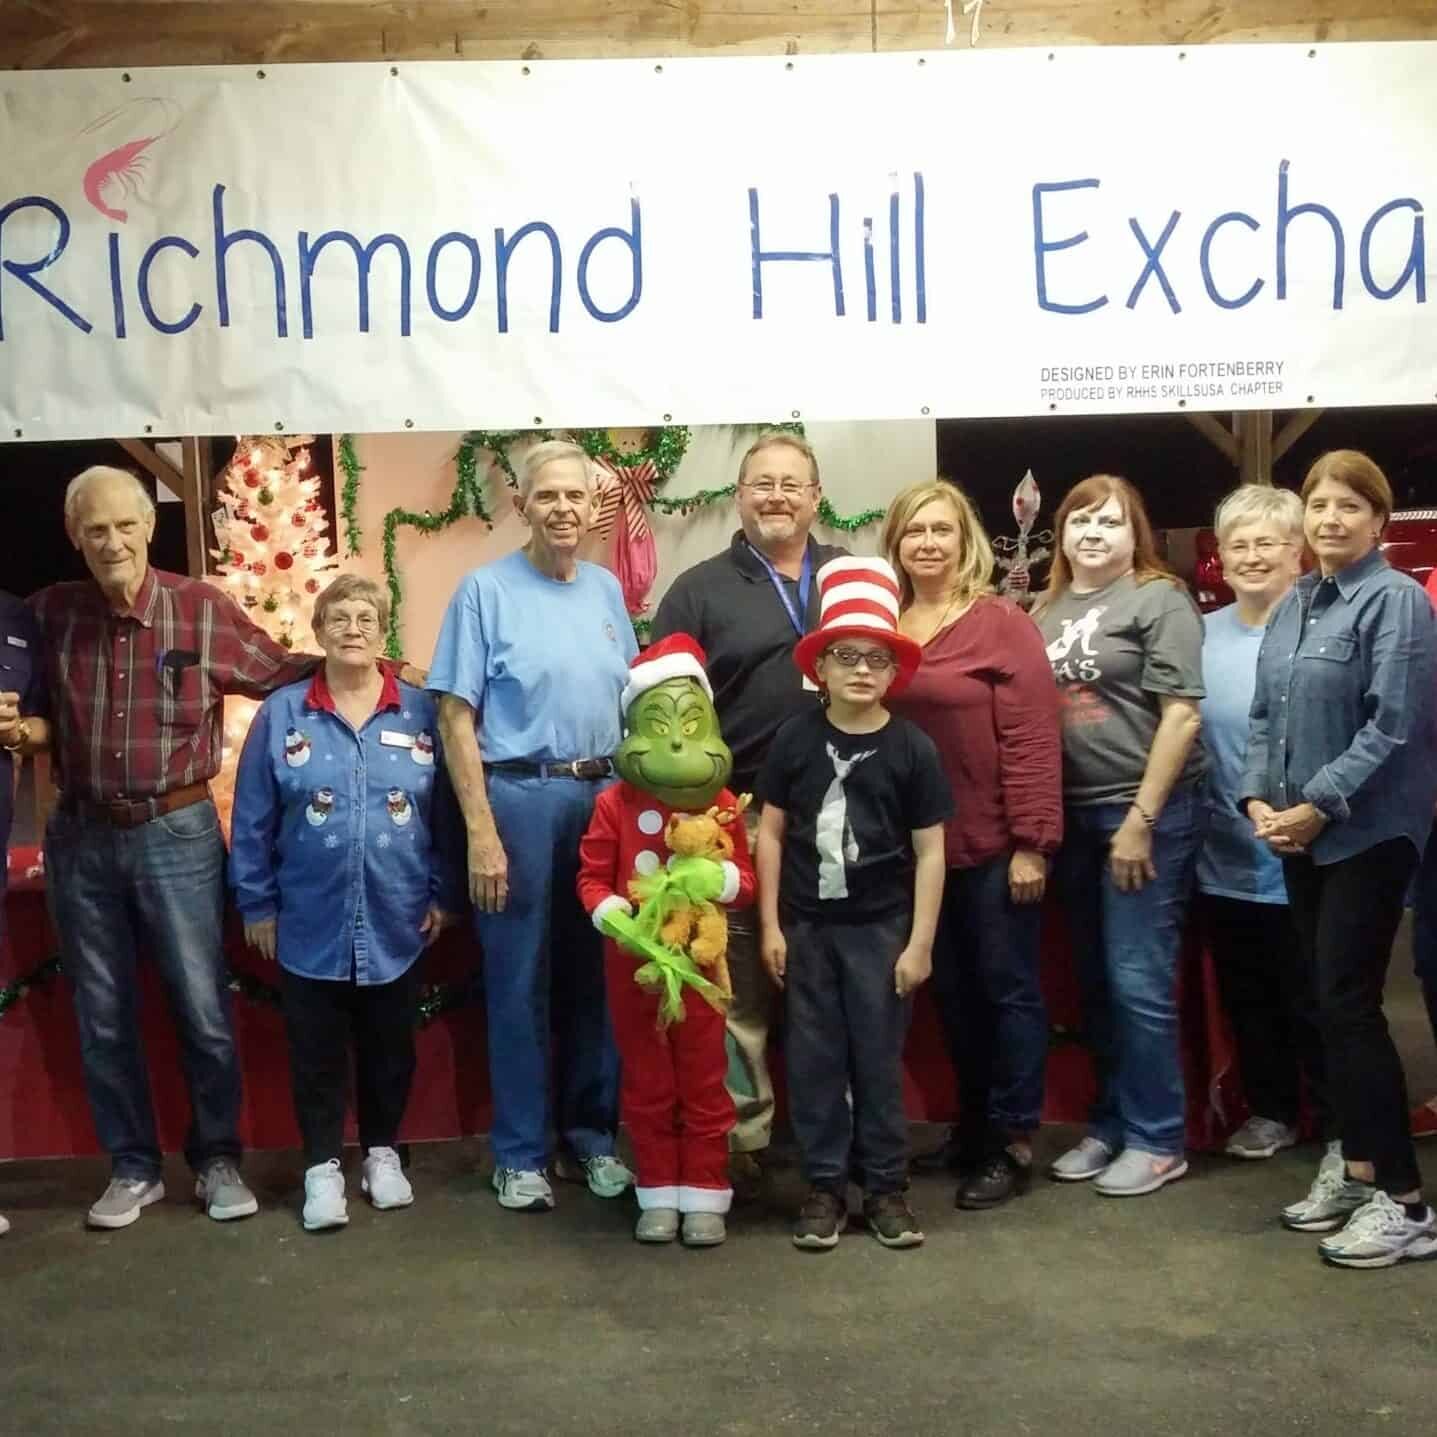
(1424, 928)
(986, 981)
(157, 888)
(543, 976)
(1125, 948)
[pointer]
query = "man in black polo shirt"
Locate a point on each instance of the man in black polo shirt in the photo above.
(22, 729)
(748, 607)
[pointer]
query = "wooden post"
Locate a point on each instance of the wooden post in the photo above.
(1253, 429)
(197, 475)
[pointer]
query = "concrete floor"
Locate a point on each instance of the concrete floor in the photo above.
(1189, 1312)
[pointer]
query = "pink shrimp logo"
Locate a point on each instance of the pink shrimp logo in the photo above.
(117, 173)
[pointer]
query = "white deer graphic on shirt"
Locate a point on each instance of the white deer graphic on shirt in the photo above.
(1078, 631)
(833, 834)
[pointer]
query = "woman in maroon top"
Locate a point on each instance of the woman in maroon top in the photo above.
(985, 695)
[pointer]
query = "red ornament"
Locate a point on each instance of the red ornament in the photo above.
(311, 586)
(312, 504)
(259, 533)
(298, 519)
(251, 478)
(258, 567)
(283, 560)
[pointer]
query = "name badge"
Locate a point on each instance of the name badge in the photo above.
(16, 642)
(392, 738)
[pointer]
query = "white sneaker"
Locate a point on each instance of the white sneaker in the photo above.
(324, 1202)
(605, 1175)
(1380, 1234)
(382, 1178)
(523, 1190)
(1091, 1157)
(1332, 1198)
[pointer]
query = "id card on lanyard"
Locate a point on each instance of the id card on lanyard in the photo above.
(796, 617)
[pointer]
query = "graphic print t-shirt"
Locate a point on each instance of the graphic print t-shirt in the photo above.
(852, 802)
(1114, 652)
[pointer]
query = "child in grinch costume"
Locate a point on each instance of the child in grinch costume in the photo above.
(665, 1000)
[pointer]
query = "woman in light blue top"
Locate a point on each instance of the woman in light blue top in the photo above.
(1242, 904)
(1340, 782)
(530, 663)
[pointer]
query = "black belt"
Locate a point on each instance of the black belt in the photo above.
(588, 769)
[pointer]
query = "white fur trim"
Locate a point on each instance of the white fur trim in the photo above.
(731, 881)
(650, 673)
(612, 904)
(702, 1199)
(658, 1197)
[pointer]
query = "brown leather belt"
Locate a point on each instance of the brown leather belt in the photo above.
(128, 813)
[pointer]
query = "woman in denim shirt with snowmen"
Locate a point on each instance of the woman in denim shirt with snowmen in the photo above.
(1340, 781)
(337, 873)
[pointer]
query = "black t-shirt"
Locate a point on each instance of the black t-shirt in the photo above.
(728, 603)
(852, 802)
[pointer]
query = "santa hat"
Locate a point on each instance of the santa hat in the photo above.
(678, 656)
(858, 599)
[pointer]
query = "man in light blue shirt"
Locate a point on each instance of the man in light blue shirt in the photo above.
(530, 665)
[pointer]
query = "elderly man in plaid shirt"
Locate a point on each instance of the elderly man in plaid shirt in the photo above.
(139, 662)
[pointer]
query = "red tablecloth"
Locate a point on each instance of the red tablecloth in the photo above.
(43, 1112)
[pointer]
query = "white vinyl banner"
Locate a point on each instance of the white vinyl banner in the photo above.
(447, 246)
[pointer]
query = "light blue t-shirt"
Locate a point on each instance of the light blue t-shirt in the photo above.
(542, 662)
(1231, 863)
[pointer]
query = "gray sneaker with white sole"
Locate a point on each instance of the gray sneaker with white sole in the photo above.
(121, 1203)
(222, 1192)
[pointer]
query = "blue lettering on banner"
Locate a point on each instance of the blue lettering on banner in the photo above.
(1416, 266)
(26, 270)
(431, 274)
(504, 248)
(1285, 216)
(223, 244)
(363, 258)
(1042, 246)
(633, 239)
(142, 284)
(1205, 261)
(117, 292)
(1153, 264)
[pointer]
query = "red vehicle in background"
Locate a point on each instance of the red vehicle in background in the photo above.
(1410, 543)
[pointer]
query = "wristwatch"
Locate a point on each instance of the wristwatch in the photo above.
(22, 737)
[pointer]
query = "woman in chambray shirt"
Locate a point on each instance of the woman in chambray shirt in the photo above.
(1340, 781)
(337, 873)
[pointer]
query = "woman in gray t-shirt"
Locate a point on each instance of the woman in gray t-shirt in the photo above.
(1125, 643)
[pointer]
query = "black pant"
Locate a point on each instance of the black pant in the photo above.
(1262, 977)
(845, 1032)
(1346, 915)
(321, 1019)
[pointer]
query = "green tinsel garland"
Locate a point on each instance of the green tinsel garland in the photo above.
(349, 494)
(12, 993)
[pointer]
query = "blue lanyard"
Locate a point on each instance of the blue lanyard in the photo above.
(805, 580)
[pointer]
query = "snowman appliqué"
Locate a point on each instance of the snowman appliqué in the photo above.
(423, 751)
(296, 748)
(401, 811)
(320, 806)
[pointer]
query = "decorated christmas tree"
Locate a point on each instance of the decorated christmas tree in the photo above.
(273, 558)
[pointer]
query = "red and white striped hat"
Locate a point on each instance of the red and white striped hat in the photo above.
(858, 599)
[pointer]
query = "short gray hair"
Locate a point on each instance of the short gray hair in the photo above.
(351, 586)
(538, 455)
(81, 484)
(1256, 504)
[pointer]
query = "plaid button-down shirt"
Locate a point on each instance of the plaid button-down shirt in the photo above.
(137, 699)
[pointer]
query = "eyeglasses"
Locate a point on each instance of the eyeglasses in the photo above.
(1263, 548)
(367, 624)
(766, 488)
(879, 661)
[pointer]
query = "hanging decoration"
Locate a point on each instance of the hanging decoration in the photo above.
(12, 993)
(1015, 556)
(349, 494)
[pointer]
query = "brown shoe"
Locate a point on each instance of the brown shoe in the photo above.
(745, 1174)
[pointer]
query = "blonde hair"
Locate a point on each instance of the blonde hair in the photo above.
(1089, 493)
(975, 552)
(84, 481)
(538, 455)
(781, 439)
(351, 586)
(1258, 504)
(1357, 472)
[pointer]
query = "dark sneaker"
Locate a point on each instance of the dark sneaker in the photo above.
(821, 1218)
(1001, 1177)
(891, 1220)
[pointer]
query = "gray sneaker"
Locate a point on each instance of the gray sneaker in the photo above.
(657, 1224)
(119, 1205)
(1137, 1173)
(1260, 1138)
(704, 1229)
(1380, 1234)
(222, 1191)
(1085, 1161)
(1332, 1198)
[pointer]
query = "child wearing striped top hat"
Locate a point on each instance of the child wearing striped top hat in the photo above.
(850, 870)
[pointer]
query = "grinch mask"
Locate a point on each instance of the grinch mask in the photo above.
(674, 749)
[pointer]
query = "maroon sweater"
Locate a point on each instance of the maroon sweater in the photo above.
(985, 695)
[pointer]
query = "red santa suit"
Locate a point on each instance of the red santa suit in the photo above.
(671, 1093)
